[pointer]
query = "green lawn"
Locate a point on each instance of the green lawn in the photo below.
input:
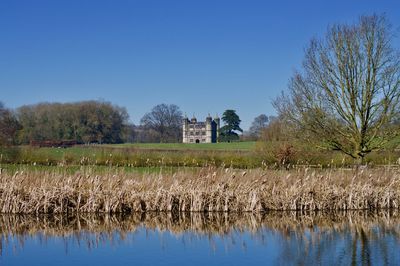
(237, 154)
(233, 146)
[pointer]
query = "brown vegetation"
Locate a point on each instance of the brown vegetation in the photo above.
(53, 143)
(205, 190)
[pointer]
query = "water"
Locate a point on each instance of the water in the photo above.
(282, 238)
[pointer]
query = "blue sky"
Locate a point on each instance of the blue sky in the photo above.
(204, 56)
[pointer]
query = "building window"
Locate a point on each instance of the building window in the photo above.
(197, 133)
(203, 140)
(203, 133)
(191, 133)
(191, 140)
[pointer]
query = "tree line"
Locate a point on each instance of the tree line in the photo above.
(98, 122)
(84, 122)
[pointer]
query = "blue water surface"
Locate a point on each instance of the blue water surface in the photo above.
(371, 244)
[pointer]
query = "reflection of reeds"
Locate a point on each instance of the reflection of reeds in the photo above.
(200, 223)
(303, 238)
(207, 190)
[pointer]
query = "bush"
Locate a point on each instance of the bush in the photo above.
(9, 154)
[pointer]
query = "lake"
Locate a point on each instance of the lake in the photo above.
(276, 238)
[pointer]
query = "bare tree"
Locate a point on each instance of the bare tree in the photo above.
(166, 120)
(259, 123)
(8, 126)
(277, 130)
(347, 97)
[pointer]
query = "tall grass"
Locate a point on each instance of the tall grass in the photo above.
(204, 190)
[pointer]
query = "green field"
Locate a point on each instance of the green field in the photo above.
(90, 169)
(233, 146)
(237, 154)
(151, 155)
(160, 149)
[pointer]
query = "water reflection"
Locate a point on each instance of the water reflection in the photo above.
(280, 237)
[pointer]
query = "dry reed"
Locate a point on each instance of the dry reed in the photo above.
(206, 190)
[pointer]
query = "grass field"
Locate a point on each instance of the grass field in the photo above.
(239, 155)
(80, 151)
(233, 146)
(87, 169)
(243, 155)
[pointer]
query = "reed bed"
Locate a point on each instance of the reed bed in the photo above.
(205, 190)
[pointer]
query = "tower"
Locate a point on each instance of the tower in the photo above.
(209, 129)
(185, 128)
(218, 123)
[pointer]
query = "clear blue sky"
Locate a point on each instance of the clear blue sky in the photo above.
(204, 56)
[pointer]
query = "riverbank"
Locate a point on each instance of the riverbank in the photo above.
(203, 190)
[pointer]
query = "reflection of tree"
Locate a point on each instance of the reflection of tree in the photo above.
(303, 238)
(363, 240)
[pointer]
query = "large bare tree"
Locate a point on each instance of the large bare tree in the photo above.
(347, 96)
(166, 121)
